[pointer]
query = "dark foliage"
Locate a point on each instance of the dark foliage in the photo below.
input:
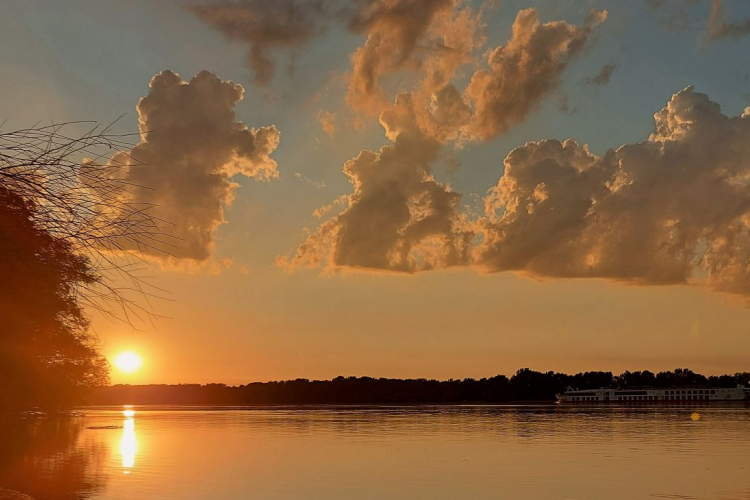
(46, 350)
(64, 215)
(525, 385)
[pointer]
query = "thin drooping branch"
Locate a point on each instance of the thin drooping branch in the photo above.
(74, 173)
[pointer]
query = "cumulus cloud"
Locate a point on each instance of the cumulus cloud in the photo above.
(399, 218)
(719, 27)
(515, 79)
(672, 209)
(435, 106)
(393, 28)
(266, 26)
(524, 70)
(191, 148)
(455, 34)
(432, 38)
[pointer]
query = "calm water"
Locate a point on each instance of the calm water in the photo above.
(460, 452)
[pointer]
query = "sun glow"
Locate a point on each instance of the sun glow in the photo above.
(128, 361)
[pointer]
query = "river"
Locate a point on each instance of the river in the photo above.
(361, 453)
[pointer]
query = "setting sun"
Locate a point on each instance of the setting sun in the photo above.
(128, 361)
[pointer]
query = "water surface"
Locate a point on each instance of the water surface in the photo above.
(424, 452)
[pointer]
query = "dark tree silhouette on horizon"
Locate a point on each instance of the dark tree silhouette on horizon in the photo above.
(525, 385)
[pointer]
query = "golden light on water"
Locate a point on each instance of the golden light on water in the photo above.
(128, 361)
(128, 441)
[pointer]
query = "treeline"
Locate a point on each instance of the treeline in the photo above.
(525, 385)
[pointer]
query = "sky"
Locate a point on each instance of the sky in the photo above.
(414, 188)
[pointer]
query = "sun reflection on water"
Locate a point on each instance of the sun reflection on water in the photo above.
(128, 441)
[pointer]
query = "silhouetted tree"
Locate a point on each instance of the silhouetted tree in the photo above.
(590, 380)
(681, 377)
(77, 194)
(742, 378)
(46, 349)
(64, 216)
(630, 379)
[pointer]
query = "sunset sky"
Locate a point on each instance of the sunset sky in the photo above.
(306, 250)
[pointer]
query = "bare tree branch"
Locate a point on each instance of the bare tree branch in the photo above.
(75, 178)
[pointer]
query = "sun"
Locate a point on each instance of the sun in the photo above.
(128, 361)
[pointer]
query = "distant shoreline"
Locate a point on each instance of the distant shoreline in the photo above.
(524, 387)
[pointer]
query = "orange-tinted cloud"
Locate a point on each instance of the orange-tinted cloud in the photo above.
(433, 38)
(524, 70)
(672, 209)
(399, 218)
(265, 26)
(327, 122)
(455, 35)
(311, 182)
(394, 28)
(517, 77)
(191, 147)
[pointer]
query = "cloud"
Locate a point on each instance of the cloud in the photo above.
(342, 200)
(327, 121)
(517, 76)
(435, 106)
(303, 178)
(191, 148)
(524, 70)
(433, 39)
(453, 36)
(394, 29)
(563, 104)
(266, 26)
(672, 209)
(718, 27)
(399, 218)
(601, 78)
